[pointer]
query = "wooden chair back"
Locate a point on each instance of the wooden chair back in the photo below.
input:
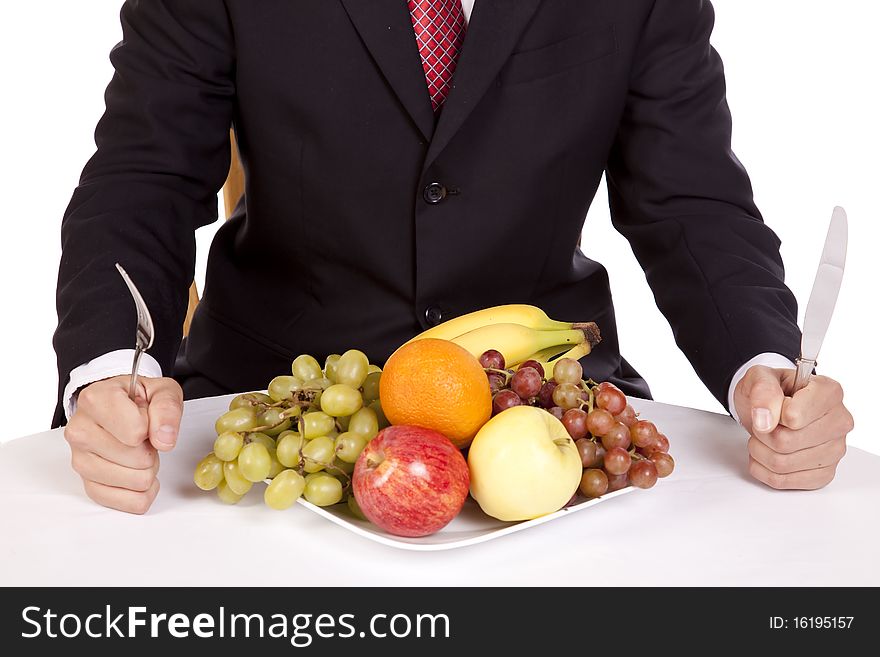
(233, 190)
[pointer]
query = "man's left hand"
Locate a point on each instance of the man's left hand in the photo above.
(795, 441)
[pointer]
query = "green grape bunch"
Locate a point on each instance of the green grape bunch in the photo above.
(303, 435)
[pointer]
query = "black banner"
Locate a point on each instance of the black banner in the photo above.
(432, 621)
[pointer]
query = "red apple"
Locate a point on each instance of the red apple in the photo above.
(410, 481)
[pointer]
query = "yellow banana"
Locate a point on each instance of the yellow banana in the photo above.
(517, 342)
(544, 355)
(529, 316)
(577, 352)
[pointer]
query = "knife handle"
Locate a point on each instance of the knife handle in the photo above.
(805, 368)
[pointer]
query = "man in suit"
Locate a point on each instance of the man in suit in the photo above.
(392, 151)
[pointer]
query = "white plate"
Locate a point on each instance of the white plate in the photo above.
(469, 527)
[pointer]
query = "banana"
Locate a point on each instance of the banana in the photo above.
(542, 356)
(517, 342)
(529, 316)
(577, 352)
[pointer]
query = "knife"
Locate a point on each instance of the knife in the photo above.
(820, 307)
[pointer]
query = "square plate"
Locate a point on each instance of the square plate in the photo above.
(469, 527)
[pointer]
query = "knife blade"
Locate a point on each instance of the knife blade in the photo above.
(823, 297)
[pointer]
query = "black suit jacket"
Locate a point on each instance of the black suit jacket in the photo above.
(337, 246)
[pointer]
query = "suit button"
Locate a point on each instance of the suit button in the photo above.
(434, 193)
(433, 315)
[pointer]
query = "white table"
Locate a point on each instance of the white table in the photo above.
(707, 524)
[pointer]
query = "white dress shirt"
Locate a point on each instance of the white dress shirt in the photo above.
(119, 362)
(467, 6)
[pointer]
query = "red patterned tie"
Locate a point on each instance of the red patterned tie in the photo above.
(439, 28)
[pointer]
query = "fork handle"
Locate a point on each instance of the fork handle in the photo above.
(134, 370)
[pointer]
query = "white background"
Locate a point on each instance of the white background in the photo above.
(802, 87)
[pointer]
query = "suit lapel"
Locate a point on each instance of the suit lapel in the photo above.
(492, 33)
(386, 30)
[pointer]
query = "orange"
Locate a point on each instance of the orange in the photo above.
(438, 385)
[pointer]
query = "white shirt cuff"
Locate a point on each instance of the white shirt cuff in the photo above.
(766, 359)
(103, 367)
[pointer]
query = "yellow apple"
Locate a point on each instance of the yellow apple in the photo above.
(523, 464)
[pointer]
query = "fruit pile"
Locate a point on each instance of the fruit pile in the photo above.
(616, 448)
(388, 441)
(305, 435)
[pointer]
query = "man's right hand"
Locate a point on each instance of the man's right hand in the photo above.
(114, 440)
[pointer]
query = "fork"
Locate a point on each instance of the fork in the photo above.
(144, 333)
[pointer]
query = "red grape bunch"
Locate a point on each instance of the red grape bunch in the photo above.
(617, 448)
